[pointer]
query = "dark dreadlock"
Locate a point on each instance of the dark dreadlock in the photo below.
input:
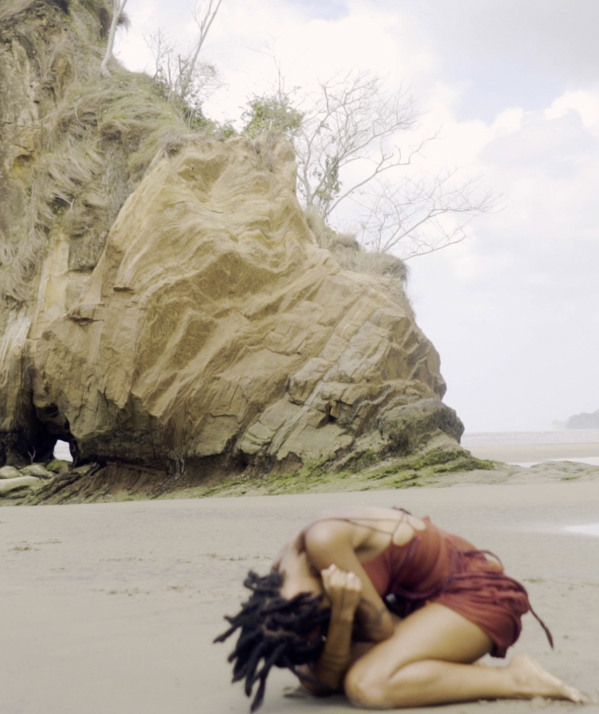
(275, 630)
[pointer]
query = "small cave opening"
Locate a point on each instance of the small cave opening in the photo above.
(56, 432)
(62, 450)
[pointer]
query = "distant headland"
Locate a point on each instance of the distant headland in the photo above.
(582, 421)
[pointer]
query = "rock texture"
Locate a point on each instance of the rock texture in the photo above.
(214, 326)
(72, 148)
(208, 330)
(18, 483)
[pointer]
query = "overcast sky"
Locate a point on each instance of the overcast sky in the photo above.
(513, 87)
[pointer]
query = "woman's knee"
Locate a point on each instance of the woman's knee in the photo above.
(365, 689)
(369, 688)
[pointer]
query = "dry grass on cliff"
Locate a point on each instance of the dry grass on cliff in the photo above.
(9, 8)
(104, 131)
(93, 151)
(90, 144)
(351, 256)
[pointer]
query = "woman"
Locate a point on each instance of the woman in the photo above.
(389, 609)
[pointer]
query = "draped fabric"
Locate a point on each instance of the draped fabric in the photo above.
(436, 566)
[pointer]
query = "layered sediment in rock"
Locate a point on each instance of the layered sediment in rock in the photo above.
(214, 326)
(213, 331)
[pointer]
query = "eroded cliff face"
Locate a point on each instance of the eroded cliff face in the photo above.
(206, 329)
(214, 326)
(72, 148)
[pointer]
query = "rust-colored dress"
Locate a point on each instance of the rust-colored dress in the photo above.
(436, 566)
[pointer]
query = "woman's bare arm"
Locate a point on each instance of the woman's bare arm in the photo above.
(334, 542)
(344, 590)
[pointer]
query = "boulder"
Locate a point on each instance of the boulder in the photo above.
(37, 470)
(164, 301)
(9, 472)
(58, 466)
(14, 484)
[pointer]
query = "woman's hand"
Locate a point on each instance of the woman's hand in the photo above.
(335, 543)
(344, 590)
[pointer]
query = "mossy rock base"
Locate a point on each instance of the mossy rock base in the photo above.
(435, 468)
(122, 482)
(365, 472)
(58, 466)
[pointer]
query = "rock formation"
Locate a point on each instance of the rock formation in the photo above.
(208, 330)
(72, 148)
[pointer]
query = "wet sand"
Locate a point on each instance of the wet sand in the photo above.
(113, 607)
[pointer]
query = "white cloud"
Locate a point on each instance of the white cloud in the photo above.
(584, 102)
(508, 121)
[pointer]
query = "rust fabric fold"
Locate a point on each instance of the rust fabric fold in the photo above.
(436, 566)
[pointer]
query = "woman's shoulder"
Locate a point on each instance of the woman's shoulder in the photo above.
(369, 528)
(375, 518)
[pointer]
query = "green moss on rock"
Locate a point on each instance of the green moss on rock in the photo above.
(57, 466)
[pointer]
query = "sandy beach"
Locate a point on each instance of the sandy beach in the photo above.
(113, 607)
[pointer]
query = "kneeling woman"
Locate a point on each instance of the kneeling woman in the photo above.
(389, 609)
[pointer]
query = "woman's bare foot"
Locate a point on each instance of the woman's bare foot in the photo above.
(534, 681)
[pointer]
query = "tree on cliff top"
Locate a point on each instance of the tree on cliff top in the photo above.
(347, 141)
(184, 79)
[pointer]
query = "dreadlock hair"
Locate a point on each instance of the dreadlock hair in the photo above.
(275, 631)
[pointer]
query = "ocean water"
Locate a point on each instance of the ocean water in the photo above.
(584, 438)
(513, 438)
(591, 529)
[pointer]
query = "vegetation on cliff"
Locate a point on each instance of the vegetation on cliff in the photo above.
(167, 306)
(74, 146)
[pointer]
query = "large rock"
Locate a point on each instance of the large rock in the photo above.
(9, 472)
(214, 327)
(37, 470)
(181, 317)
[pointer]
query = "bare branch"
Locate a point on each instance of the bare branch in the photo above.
(204, 19)
(352, 119)
(117, 9)
(185, 80)
(352, 127)
(420, 215)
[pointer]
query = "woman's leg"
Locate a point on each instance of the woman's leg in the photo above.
(428, 661)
